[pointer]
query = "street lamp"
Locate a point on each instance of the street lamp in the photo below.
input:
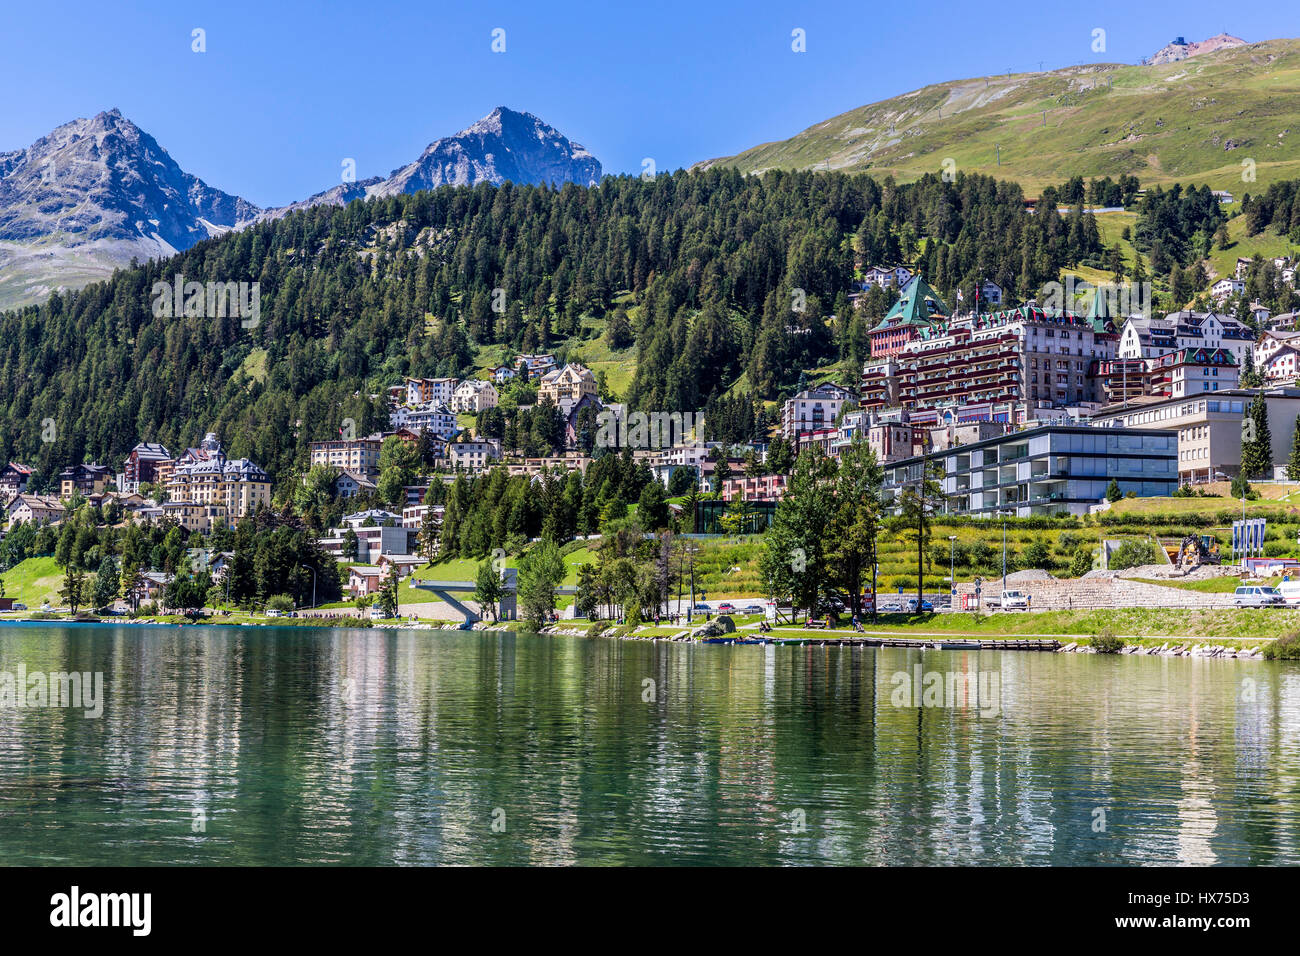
(1003, 516)
(952, 567)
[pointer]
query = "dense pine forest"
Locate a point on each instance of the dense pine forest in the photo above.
(725, 285)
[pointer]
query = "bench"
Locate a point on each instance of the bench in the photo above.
(814, 623)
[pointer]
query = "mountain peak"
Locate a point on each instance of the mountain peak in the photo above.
(105, 178)
(504, 146)
(103, 189)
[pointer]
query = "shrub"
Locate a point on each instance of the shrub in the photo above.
(280, 602)
(1105, 641)
(1081, 563)
(1285, 648)
(1132, 554)
(1037, 555)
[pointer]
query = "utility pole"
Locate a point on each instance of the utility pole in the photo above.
(998, 149)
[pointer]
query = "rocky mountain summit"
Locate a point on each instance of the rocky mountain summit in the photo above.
(1180, 49)
(104, 178)
(503, 146)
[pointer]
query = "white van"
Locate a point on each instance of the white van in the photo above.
(1290, 591)
(1256, 596)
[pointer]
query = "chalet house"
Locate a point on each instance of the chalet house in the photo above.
(350, 483)
(405, 563)
(35, 509)
(86, 479)
(535, 365)
(364, 579)
(14, 479)
(1282, 366)
(502, 374)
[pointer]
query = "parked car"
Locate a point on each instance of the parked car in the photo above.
(1257, 596)
(752, 609)
(701, 607)
(1014, 601)
(273, 612)
(726, 607)
(20, 607)
(376, 612)
(910, 606)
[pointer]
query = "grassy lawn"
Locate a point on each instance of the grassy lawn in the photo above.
(34, 581)
(1157, 625)
(466, 569)
(1224, 585)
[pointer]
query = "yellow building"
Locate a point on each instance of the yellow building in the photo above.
(567, 386)
(205, 476)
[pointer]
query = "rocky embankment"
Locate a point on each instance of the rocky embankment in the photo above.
(1173, 650)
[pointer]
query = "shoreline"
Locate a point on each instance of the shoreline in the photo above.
(1216, 648)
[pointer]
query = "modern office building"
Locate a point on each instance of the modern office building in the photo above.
(1209, 427)
(1046, 470)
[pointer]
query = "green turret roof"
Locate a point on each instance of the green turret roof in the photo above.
(917, 303)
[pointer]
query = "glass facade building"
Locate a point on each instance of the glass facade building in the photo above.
(1046, 470)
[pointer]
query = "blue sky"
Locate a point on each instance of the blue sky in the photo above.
(286, 90)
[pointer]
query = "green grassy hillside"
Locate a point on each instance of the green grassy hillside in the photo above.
(33, 581)
(1194, 120)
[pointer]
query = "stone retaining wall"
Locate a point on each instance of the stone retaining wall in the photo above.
(1098, 592)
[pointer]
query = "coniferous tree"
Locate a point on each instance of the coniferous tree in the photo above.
(1257, 442)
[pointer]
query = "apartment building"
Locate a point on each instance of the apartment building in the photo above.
(474, 396)
(763, 488)
(1187, 372)
(813, 409)
(473, 456)
(887, 278)
(141, 465)
(1049, 469)
(420, 391)
(13, 479)
(1209, 427)
(360, 455)
(434, 417)
(192, 516)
